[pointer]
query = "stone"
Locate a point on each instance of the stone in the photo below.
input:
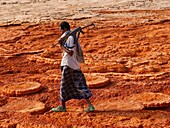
(96, 80)
(121, 105)
(42, 59)
(22, 88)
(24, 105)
(151, 100)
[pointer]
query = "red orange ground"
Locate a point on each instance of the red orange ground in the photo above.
(133, 52)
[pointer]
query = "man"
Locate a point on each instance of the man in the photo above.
(73, 82)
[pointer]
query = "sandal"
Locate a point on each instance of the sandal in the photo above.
(59, 109)
(90, 108)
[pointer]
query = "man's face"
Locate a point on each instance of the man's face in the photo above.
(63, 30)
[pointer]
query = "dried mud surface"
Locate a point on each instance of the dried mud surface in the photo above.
(129, 47)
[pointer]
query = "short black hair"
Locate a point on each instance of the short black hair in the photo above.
(64, 24)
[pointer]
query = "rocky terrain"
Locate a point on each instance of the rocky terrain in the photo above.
(127, 63)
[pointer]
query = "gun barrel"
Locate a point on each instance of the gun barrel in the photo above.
(92, 24)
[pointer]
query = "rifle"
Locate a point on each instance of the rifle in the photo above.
(74, 32)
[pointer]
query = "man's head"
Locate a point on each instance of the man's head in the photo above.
(64, 26)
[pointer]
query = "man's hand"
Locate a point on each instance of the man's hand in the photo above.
(71, 53)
